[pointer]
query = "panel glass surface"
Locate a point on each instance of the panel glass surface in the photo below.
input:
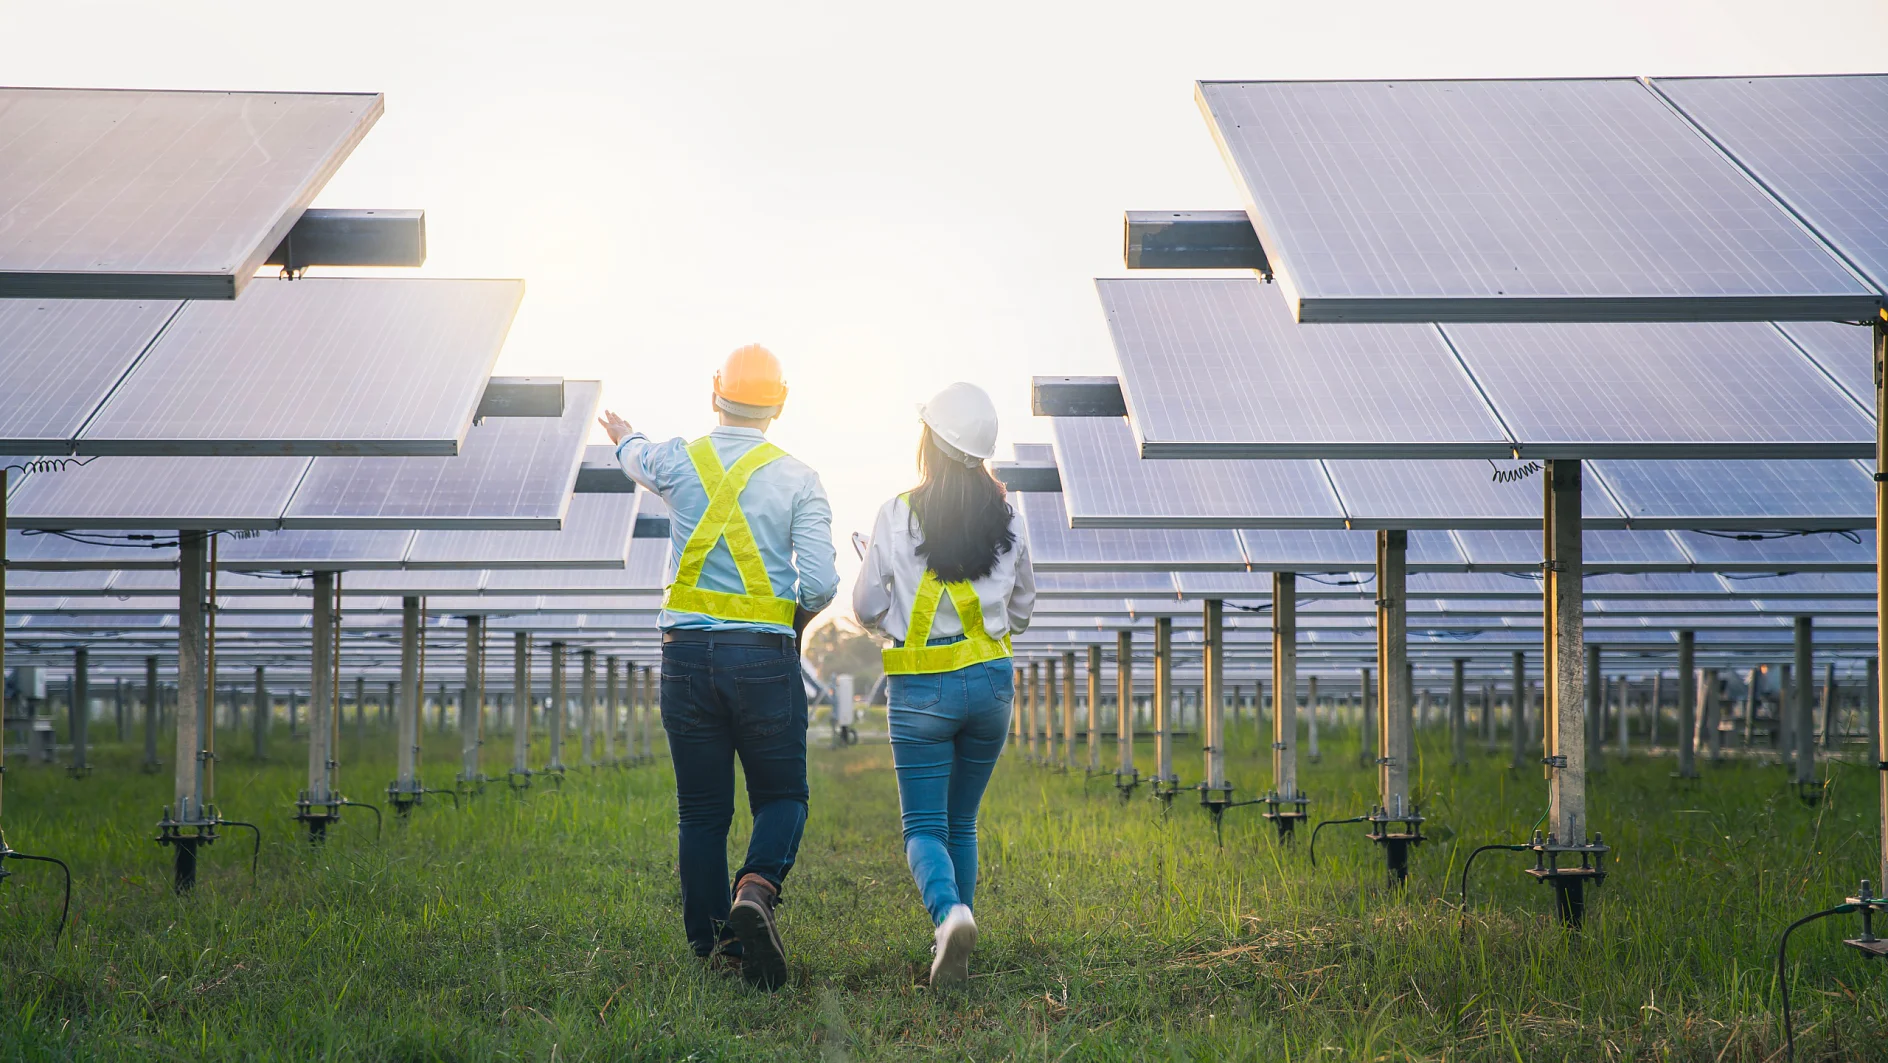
(1725, 390)
(29, 550)
(1843, 351)
(596, 534)
(1741, 494)
(1053, 585)
(143, 194)
(1623, 550)
(1429, 200)
(1053, 545)
(310, 550)
(315, 366)
(1446, 494)
(129, 492)
(60, 358)
(1814, 142)
(1106, 483)
(511, 472)
(1217, 368)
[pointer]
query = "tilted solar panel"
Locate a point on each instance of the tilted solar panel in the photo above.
(1831, 552)
(1514, 200)
(312, 550)
(1054, 546)
(314, 366)
(596, 534)
(124, 492)
(1660, 390)
(141, 194)
(1216, 368)
(511, 472)
(1741, 494)
(60, 358)
(1814, 142)
(1844, 351)
(1105, 483)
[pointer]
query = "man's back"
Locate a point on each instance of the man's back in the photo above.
(784, 507)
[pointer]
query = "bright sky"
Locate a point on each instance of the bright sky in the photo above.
(891, 196)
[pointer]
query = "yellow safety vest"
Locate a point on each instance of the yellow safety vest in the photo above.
(723, 520)
(915, 658)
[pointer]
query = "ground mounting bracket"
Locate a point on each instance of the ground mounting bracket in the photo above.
(403, 801)
(1868, 944)
(185, 837)
(1126, 781)
(1569, 882)
(1396, 843)
(1164, 790)
(1286, 811)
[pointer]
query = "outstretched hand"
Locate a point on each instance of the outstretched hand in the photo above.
(614, 425)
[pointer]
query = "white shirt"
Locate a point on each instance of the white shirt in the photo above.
(889, 581)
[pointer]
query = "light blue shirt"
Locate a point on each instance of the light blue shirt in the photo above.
(785, 506)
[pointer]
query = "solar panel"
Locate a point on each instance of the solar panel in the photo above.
(60, 358)
(1843, 351)
(1106, 484)
(132, 492)
(511, 472)
(116, 193)
(1511, 201)
(313, 550)
(314, 366)
(1660, 390)
(1054, 585)
(1308, 551)
(1647, 585)
(401, 584)
(1834, 552)
(596, 534)
(642, 575)
(1627, 551)
(1215, 368)
(1447, 494)
(1054, 546)
(1741, 494)
(1759, 585)
(1814, 143)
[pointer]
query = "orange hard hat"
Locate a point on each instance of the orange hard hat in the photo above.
(751, 378)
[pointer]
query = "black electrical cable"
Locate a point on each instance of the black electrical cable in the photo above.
(255, 857)
(1514, 475)
(41, 465)
(1783, 984)
(1767, 536)
(1326, 823)
(1479, 850)
(65, 909)
(1340, 582)
(1249, 608)
(1754, 575)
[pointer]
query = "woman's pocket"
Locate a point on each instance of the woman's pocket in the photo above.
(915, 691)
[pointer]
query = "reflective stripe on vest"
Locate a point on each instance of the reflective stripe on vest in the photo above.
(723, 520)
(915, 658)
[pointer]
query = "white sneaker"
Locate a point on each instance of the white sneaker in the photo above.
(956, 936)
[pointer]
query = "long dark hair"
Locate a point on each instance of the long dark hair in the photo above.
(963, 522)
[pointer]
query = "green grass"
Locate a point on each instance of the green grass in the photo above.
(548, 927)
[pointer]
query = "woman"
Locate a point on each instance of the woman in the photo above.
(947, 579)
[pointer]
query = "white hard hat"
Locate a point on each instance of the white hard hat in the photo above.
(964, 419)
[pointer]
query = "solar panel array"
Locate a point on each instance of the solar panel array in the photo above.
(1215, 368)
(1551, 199)
(130, 193)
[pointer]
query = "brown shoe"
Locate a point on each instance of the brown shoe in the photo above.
(763, 959)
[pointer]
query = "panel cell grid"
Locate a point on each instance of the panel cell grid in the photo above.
(1511, 200)
(1105, 483)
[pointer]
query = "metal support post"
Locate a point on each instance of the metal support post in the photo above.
(1032, 687)
(472, 705)
(1285, 805)
(1126, 776)
(1215, 791)
(1622, 709)
(189, 822)
(407, 790)
(1166, 783)
(1396, 824)
(1711, 709)
(554, 714)
(1051, 737)
(1093, 735)
(651, 710)
(1517, 713)
(1687, 705)
(520, 772)
(1311, 720)
(1802, 716)
(610, 713)
(1595, 710)
(1367, 723)
(259, 723)
(79, 713)
(1829, 696)
(587, 692)
(1564, 736)
(151, 764)
(1458, 712)
(1068, 710)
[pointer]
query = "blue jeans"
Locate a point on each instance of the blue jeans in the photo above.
(719, 700)
(947, 731)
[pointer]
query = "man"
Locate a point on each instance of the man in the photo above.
(751, 563)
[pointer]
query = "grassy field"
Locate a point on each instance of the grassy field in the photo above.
(547, 927)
